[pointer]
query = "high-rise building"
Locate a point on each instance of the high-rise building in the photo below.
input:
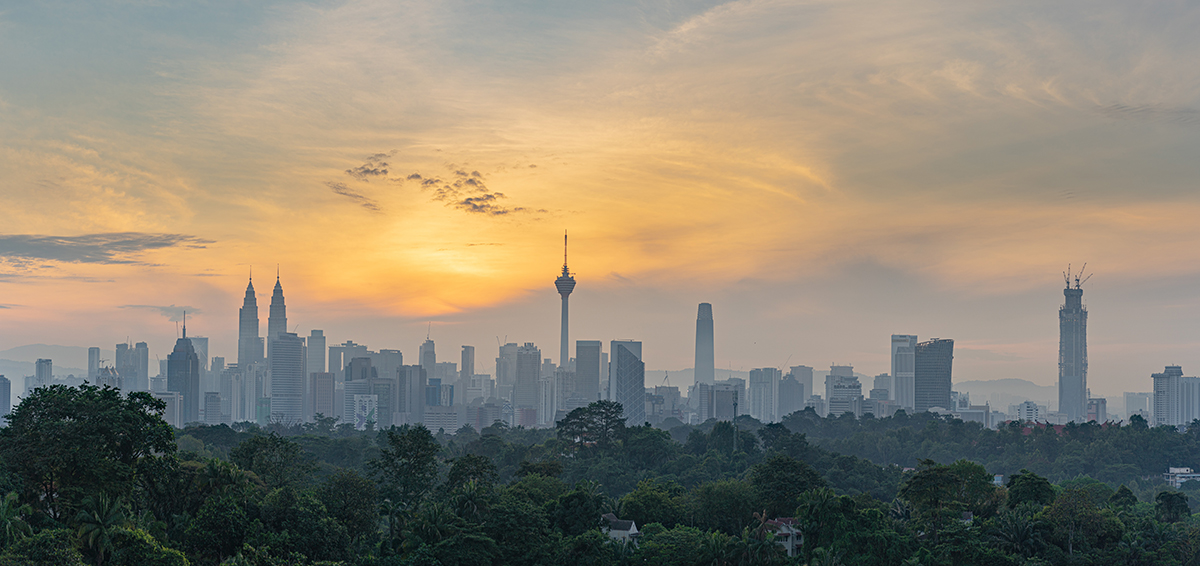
(627, 380)
(791, 396)
(705, 370)
(506, 370)
(5, 396)
(932, 374)
(427, 357)
(764, 394)
(141, 359)
(322, 393)
(565, 284)
(411, 394)
(93, 363)
(277, 313)
(43, 373)
(230, 382)
(804, 376)
(466, 370)
(212, 408)
(124, 366)
(1072, 354)
(843, 392)
(316, 353)
(200, 343)
(250, 344)
(108, 377)
(904, 363)
(1138, 403)
(1176, 398)
(587, 372)
(528, 366)
(287, 366)
(340, 356)
(1097, 409)
(183, 377)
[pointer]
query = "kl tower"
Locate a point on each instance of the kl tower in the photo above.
(565, 284)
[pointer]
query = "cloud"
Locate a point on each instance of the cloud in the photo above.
(342, 189)
(488, 203)
(110, 248)
(1153, 113)
(172, 312)
(375, 166)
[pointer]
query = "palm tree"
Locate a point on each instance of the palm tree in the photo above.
(97, 521)
(13, 526)
(1017, 533)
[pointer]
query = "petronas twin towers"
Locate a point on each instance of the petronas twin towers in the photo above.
(274, 390)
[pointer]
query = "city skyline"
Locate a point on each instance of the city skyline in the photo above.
(931, 180)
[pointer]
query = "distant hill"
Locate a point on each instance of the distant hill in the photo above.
(66, 356)
(1001, 393)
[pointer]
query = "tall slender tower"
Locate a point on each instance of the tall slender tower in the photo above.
(249, 342)
(565, 284)
(277, 317)
(1072, 352)
(705, 371)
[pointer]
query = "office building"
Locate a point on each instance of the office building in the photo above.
(123, 365)
(932, 374)
(804, 376)
(1072, 354)
(340, 356)
(791, 396)
(322, 397)
(287, 369)
(1139, 404)
(1029, 411)
(587, 373)
(174, 406)
(183, 377)
(564, 284)
(316, 352)
(506, 370)
(212, 408)
(229, 385)
(427, 357)
(411, 394)
(904, 363)
(1176, 398)
(43, 373)
(843, 392)
(360, 369)
(93, 368)
(5, 396)
(528, 373)
(141, 359)
(249, 387)
(627, 380)
(705, 370)
(1097, 409)
(764, 394)
(466, 368)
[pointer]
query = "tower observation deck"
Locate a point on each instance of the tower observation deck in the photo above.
(565, 284)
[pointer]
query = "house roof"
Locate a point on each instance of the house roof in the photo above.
(616, 524)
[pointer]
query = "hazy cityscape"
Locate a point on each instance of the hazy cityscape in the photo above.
(288, 379)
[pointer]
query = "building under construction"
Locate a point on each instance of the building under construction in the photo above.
(1072, 350)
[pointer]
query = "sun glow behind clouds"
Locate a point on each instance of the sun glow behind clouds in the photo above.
(421, 159)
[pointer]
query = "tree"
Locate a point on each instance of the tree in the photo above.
(277, 460)
(578, 510)
(218, 529)
(778, 483)
(1123, 497)
(599, 424)
(726, 505)
(471, 468)
(13, 526)
(351, 499)
(654, 501)
(98, 520)
(64, 443)
(51, 546)
(1028, 487)
(407, 463)
(1071, 515)
(304, 525)
(135, 547)
(1171, 506)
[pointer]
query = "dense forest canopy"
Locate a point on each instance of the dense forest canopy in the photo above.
(94, 477)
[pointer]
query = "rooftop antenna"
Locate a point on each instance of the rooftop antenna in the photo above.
(277, 272)
(429, 330)
(185, 324)
(564, 252)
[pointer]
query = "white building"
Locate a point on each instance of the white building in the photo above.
(764, 394)
(1176, 398)
(904, 367)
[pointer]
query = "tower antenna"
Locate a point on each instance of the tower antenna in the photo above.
(429, 330)
(185, 324)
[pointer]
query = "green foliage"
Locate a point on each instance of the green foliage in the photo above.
(1028, 487)
(218, 529)
(65, 443)
(51, 547)
(13, 520)
(578, 510)
(1123, 497)
(277, 460)
(407, 464)
(135, 547)
(655, 501)
(726, 506)
(351, 499)
(1171, 506)
(471, 467)
(299, 522)
(100, 517)
(779, 482)
(598, 425)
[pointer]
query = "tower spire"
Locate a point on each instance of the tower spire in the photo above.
(565, 272)
(185, 324)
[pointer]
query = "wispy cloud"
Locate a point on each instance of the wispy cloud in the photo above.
(342, 189)
(375, 166)
(111, 248)
(173, 313)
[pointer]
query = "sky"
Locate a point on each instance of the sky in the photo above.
(824, 173)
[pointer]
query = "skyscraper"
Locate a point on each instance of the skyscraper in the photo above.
(6, 396)
(43, 372)
(587, 371)
(528, 366)
(277, 315)
(705, 371)
(183, 377)
(93, 363)
(287, 366)
(903, 390)
(506, 370)
(627, 380)
(250, 344)
(141, 359)
(932, 374)
(1072, 353)
(565, 284)
(764, 394)
(427, 357)
(466, 369)
(316, 352)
